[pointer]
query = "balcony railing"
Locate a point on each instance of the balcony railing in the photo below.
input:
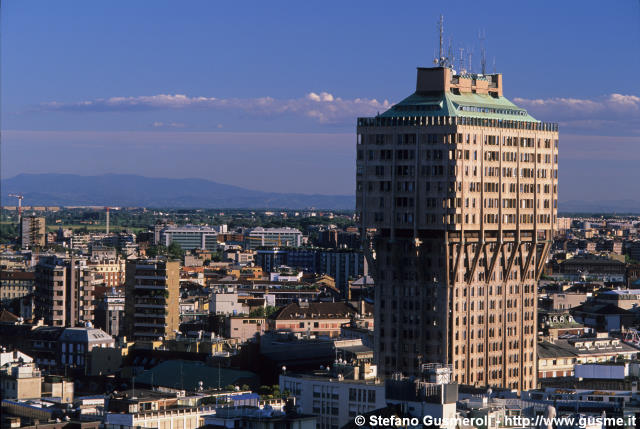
(411, 121)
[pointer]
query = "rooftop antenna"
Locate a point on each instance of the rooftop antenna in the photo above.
(470, 62)
(450, 54)
(460, 65)
(483, 52)
(441, 28)
(494, 65)
(441, 61)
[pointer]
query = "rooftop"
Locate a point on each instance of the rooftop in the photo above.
(89, 335)
(464, 99)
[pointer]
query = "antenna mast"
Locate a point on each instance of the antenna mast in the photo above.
(483, 52)
(441, 28)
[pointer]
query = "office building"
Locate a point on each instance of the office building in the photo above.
(342, 265)
(190, 237)
(280, 237)
(152, 294)
(33, 232)
(458, 186)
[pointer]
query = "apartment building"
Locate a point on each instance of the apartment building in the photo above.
(152, 294)
(33, 232)
(64, 291)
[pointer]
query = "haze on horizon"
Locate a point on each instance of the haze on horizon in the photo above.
(265, 96)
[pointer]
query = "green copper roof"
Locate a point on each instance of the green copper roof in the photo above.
(467, 105)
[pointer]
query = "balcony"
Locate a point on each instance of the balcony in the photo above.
(151, 287)
(150, 315)
(151, 325)
(145, 277)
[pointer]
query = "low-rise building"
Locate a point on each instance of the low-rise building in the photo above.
(558, 358)
(15, 284)
(225, 302)
(19, 376)
(244, 328)
(335, 395)
(153, 409)
(259, 418)
(317, 318)
(76, 345)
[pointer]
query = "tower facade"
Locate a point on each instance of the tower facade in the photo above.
(457, 197)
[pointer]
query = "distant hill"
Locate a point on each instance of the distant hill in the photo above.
(603, 206)
(138, 191)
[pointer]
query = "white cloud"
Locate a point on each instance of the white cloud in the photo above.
(613, 114)
(322, 107)
(158, 124)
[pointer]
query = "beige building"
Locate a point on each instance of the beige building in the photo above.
(58, 387)
(558, 358)
(152, 309)
(15, 284)
(112, 270)
(460, 187)
(19, 377)
(244, 328)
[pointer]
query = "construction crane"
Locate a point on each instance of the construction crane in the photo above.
(107, 219)
(19, 197)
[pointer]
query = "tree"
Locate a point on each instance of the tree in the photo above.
(158, 250)
(175, 250)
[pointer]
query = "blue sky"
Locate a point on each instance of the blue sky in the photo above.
(264, 95)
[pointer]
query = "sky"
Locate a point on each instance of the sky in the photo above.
(265, 95)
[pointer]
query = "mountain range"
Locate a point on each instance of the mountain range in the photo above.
(137, 191)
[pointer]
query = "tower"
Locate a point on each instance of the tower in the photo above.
(456, 193)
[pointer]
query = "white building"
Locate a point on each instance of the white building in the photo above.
(225, 302)
(335, 398)
(280, 237)
(191, 237)
(174, 418)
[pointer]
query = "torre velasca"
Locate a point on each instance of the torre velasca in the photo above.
(457, 196)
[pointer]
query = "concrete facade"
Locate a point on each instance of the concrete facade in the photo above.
(457, 187)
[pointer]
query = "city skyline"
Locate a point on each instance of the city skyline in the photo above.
(100, 86)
